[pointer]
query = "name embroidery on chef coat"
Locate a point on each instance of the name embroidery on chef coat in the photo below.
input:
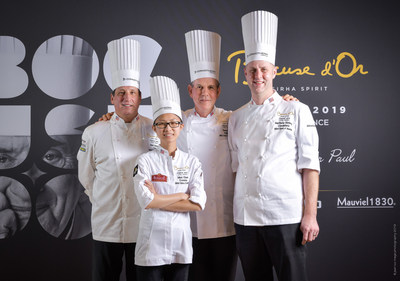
(285, 121)
(159, 177)
(182, 175)
(224, 132)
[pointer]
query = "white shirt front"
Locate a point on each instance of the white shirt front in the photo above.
(207, 139)
(165, 237)
(105, 166)
(270, 145)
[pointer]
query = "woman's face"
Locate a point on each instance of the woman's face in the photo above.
(167, 127)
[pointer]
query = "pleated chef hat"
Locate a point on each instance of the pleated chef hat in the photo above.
(164, 96)
(260, 29)
(124, 56)
(204, 50)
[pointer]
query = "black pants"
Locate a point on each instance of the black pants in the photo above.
(107, 261)
(214, 259)
(169, 272)
(261, 248)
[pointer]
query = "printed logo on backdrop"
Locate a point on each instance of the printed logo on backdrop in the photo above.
(338, 156)
(344, 66)
(64, 67)
(366, 203)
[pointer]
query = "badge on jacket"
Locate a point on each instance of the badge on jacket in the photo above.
(159, 177)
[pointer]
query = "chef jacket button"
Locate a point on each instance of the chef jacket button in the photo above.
(245, 139)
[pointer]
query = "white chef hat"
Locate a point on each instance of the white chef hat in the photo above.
(164, 96)
(260, 29)
(124, 56)
(204, 50)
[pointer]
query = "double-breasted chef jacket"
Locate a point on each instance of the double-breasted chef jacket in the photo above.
(270, 145)
(165, 237)
(207, 139)
(106, 162)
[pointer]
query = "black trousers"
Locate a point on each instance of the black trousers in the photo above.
(214, 259)
(261, 248)
(107, 261)
(168, 272)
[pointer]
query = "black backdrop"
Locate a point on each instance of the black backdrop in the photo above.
(339, 57)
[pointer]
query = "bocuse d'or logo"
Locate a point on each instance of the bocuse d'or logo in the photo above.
(331, 67)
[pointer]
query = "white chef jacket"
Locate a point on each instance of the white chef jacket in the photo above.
(207, 139)
(270, 145)
(106, 161)
(165, 237)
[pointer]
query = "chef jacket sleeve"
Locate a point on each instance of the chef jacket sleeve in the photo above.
(140, 174)
(86, 164)
(196, 185)
(307, 141)
(232, 146)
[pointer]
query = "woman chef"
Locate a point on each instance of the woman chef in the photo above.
(168, 184)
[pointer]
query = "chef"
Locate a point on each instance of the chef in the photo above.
(106, 161)
(205, 135)
(168, 184)
(274, 148)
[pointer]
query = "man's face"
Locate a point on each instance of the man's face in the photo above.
(204, 93)
(259, 75)
(126, 101)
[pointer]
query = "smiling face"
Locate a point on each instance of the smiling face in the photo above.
(259, 76)
(204, 92)
(126, 101)
(167, 135)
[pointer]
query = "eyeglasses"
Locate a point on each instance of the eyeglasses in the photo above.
(163, 125)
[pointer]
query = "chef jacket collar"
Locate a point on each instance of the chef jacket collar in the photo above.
(271, 100)
(165, 152)
(120, 122)
(208, 116)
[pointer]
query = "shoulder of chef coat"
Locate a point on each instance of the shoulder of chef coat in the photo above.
(85, 156)
(142, 172)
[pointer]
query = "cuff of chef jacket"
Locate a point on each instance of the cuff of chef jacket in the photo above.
(145, 197)
(198, 200)
(235, 161)
(310, 162)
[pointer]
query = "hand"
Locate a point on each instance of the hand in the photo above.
(150, 186)
(106, 116)
(289, 98)
(310, 229)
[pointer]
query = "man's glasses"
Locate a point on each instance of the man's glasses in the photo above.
(163, 125)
